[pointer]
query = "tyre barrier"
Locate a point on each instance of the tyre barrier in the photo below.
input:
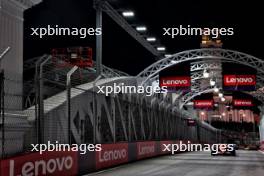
(57, 163)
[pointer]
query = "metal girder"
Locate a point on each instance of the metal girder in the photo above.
(110, 11)
(209, 58)
(204, 54)
(201, 65)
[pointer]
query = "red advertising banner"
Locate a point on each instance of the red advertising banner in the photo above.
(191, 122)
(111, 154)
(146, 149)
(48, 163)
(203, 103)
(239, 80)
(165, 147)
(242, 102)
(175, 81)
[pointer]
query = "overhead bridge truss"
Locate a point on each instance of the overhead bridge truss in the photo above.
(209, 58)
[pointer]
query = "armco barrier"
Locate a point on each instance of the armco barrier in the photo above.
(72, 163)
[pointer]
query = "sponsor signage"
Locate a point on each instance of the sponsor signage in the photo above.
(239, 80)
(191, 122)
(146, 149)
(111, 154)
(48, 163)
(240, 102)
(175, 81)
(203, 103)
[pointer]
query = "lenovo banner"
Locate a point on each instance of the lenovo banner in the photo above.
(239, 80)
(48, 163)
(244, 103)
(146, 149)
(175, 81)
(112, 154)
(203, 104)
(191, 122)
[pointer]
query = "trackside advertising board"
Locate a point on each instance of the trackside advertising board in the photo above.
(75, 163)
(48, 163)
(146, 149)
(111, 154)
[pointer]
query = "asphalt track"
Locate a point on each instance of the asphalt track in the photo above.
(246, 163)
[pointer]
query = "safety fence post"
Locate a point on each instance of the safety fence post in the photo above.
(68, 87)
(2, 109)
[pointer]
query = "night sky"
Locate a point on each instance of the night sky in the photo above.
(122, 52)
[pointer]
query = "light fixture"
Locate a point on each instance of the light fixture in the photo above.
(167, 55)
(223, 99)
(220, 95)
(128, 14)
(141, 28)
(206, 74)
(244, 115)
(212, 82)
(151, 39)
(202, 113)
(216, 105)
(216, 89)
(161, 48)
(223, 114)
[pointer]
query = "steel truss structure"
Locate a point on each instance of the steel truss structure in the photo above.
(97, 118)
(120, 118)
(112, 13)
(208, 58)
(57, 76)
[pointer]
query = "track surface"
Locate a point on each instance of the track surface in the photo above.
(246, 163)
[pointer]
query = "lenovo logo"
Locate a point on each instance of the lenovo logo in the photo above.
(112, 155)
(181, 81)
(243, 103)
(234, 80)
(48, 164)
(203, 103)
(146, 149)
